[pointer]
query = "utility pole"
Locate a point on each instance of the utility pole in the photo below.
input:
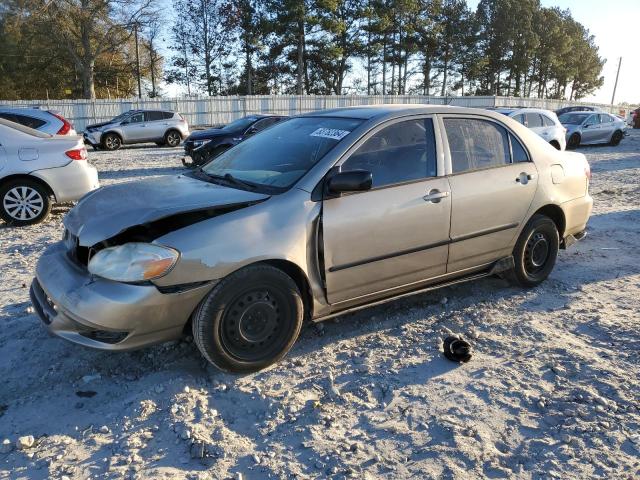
(616, 84)
(135, 31)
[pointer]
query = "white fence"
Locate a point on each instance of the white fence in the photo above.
(204, 111)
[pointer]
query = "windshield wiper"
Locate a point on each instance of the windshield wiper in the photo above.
(228, 178)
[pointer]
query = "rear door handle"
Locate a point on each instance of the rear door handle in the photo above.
(525, 177)
(434, 196)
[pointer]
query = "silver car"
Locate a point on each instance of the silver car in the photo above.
(588, 128)
(38, 170)
(138, 126)
(323, 214)
(46, 121)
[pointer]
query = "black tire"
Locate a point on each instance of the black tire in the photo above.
(616, 138)
(535, 252)
(160, 144)
(111, 142)
(574, 141)
(172, 138)
(24, 202)
(250, 320)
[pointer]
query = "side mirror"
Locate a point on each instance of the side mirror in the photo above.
(353, 181)
(124, 122)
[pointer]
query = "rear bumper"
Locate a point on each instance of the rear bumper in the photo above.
(71, 182)
(102, 314)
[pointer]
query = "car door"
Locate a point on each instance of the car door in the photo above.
(397, 232)
(492, 186)
(591, 129)
(155, 125)
(135, 130)
(607, 127)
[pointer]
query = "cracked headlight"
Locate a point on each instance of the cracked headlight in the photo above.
(133, 262)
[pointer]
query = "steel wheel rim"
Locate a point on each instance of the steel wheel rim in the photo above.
(254, 326)
(23, 203)
(537, 253)
(173, 139)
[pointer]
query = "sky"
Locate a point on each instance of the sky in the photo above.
(614, 23)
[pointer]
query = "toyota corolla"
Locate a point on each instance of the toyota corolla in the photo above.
(324, 214)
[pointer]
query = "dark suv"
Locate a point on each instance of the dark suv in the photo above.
(203, 145)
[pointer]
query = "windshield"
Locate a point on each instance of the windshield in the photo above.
(279, 156)
(120, 117)
(573, 118)
(240, 124)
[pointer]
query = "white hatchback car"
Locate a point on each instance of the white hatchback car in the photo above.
(544, 122)
(38, 169)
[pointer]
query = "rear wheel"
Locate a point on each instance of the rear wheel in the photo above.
(616, 138)
(172, 138)
(250, 320)
(535, 252)
(574, 141)
(111, 141)
(24, 202)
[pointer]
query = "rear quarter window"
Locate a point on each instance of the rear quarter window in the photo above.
(28, 121)
(547, 121)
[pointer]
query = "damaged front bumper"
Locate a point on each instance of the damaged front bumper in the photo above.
(104, 314)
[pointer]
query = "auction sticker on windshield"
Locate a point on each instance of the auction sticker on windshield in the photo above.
(333, 133)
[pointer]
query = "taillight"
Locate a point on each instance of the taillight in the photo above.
(66, 125)
(77, 154)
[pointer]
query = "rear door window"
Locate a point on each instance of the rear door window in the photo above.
(402, 152)
(476, 144)
(606, 119)
(534, 120)
(153, 116)
(521, 119)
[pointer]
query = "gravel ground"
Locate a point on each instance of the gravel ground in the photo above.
(551, 392)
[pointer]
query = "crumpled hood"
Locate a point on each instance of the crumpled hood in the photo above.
(109, 210)
(97, 125)
(208, 134)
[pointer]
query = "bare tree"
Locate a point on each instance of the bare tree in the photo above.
(88, 28)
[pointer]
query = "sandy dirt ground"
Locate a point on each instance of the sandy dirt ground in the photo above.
(552, 390)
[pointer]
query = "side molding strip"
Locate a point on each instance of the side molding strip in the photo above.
(337, 268)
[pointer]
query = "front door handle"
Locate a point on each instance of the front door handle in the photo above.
(435, 195)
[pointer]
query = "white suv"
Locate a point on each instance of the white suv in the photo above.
(544, 122)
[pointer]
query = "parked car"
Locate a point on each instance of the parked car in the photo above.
(323, 214)
(577, 108)
(544, 122)
(633, 118)
(203, 145)
(38, 169)
(586, 128)
(138, 126)
(47, 121)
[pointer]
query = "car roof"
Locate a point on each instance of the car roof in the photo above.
(371, 112)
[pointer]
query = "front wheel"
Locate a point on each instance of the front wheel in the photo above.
(24, 202)
(250, 320)
(111, 142)
(535, 252)
(616, 138)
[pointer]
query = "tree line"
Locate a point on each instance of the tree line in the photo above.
(249, 47)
